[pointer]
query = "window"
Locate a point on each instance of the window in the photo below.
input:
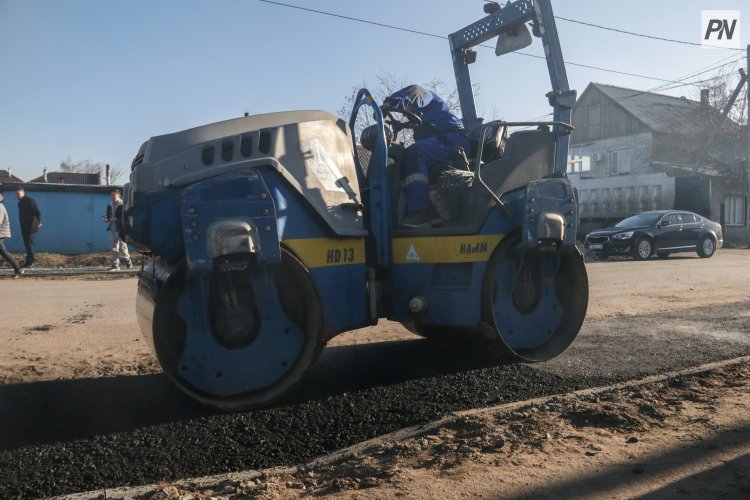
(577, 162)
(227, 150)
(687, 218)
(246, 145)
(264, 144)
(671, 218)
(583, 201)
(617, 205)
(657, 198)
(735, 210)
(207, 155)
(644, 199)
(594, 114)
(620, 162)
(630, 199)
(595, 200)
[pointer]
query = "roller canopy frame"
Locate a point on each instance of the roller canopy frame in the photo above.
(503, 21)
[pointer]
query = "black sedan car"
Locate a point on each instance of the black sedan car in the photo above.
(659, 233)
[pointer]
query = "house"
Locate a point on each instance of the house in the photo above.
(633, 151)
(77, 178)
(7, 177)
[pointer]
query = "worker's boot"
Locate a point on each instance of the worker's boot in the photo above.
(421, 218)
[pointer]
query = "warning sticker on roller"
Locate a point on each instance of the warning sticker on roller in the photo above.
(412, 253)
(321, 165)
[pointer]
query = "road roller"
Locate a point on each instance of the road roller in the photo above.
(268, 235)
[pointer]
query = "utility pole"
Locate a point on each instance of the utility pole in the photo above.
(717, 126)
(747, 131)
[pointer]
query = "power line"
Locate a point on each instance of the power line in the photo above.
(695, 72)
(383, 25)
(652, 37)
(633, 33)
(432, 35)
(679, 82)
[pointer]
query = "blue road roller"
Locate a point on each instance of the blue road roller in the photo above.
(268, 235)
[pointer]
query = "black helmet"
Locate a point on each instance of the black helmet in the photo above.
(369, 137)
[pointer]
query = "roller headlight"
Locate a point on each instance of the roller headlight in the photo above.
(623, 236)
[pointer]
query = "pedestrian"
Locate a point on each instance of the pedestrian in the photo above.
(31, 220)
(437, 140)
(5, 233)
(114, 226)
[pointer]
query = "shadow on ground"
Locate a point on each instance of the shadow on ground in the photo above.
(63, 410)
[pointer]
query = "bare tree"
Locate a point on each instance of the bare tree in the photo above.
(91, 167)
(720, 88)
(731, 141)
(387, 83)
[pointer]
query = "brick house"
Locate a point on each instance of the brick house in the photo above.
(634, 151)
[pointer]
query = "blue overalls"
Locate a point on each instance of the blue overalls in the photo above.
(436, 141)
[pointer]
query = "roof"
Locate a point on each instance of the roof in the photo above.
(41, 187)
(69, 178)
(6, 176)
(661, 113)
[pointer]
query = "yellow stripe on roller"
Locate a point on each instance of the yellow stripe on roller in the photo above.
(322, 252)
(444, 249)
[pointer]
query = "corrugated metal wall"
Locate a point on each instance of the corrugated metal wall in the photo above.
(71, 222)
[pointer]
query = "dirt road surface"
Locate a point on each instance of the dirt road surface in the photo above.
(86, 327)
(644, 318)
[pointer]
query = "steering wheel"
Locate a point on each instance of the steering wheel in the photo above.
(412, 119)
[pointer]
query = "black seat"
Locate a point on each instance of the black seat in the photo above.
(528, 155)
(494, 141)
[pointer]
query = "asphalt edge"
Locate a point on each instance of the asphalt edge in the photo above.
(401, 434)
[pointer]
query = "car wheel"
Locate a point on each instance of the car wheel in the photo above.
(662, 255)
(642, 249)
(707, 247)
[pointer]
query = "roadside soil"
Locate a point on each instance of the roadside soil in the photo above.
(56, 260)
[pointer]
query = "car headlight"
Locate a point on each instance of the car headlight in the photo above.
(623, 236)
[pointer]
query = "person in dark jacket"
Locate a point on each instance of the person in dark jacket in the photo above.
(114, 227)
(30, 219)
(5, 233)
(437, 141)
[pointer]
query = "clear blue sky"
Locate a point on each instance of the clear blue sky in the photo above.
(93, 79)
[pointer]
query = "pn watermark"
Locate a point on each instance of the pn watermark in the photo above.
(720, 28)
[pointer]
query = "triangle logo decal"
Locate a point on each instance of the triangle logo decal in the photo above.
(412, 253)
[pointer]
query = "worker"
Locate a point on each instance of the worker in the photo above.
(438, 139)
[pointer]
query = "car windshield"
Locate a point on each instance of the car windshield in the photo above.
(639, 220)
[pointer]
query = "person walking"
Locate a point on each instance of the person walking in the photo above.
(30, 219)
(5, 233)
(114, 226)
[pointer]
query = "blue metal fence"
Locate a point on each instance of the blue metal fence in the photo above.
(71, 220)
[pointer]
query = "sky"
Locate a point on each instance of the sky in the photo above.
(93, 79)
